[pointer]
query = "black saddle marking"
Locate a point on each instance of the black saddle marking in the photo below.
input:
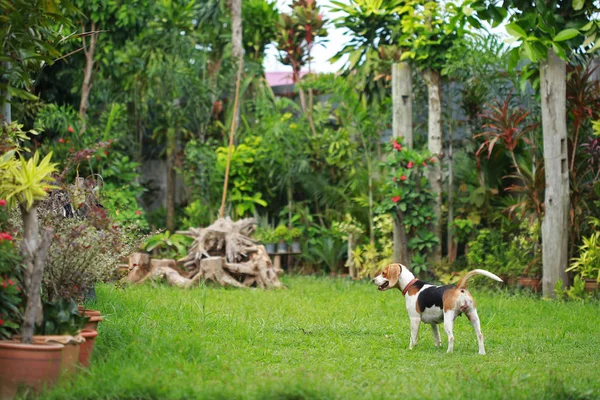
(432, 296)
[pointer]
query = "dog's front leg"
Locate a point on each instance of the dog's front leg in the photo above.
(415, 323)
(436, 335)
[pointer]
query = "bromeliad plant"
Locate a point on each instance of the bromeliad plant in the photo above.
(410, 199)
(24, 183)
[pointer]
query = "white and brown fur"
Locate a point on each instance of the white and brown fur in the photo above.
(434, 304)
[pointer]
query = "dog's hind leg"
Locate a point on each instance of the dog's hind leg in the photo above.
(449, 328)
(415, 323)
(436, 335)
(474, 318)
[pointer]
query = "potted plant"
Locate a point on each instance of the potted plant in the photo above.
(24, 183)
(294, 236)
(587, 264)
(266, 235)
(281, 233)
(62, 323)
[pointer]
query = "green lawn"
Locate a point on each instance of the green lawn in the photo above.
(326, 338)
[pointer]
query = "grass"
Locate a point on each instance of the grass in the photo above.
(324, 338)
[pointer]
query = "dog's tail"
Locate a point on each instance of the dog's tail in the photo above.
(463, 282)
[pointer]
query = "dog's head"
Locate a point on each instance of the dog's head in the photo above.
(389, 277)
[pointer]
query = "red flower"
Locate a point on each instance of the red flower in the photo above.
(138, 212)
(6, 236)
(396, 199)
(105, 153)
(410, 165)
(394, 179)
(1, 322)
(61, 140)
(70, 129)
(10, 282)
(2, 202)
(403, 178)
(4, 284)
(424, 164)
(397, 146)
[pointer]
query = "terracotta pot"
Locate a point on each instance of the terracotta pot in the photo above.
(591, 285)
(32, 365)
(71, 347)
(89, 313)
(535, 284)
(87, 347)
(92, 324)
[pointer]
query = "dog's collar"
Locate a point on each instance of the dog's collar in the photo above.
(409, 286)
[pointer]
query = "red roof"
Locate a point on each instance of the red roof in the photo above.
(281, 78)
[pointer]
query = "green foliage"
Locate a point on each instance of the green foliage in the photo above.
(281, 232)
(428, 31)
(168, 245)
(61, 317)
(488, 251)
(31, 37)
(25, 182)
(11, 272)
(370, 25)
(409, 195)
(242, 175)
(195, 215)
(462, 229)
(575, 292)
(259, 28)
(295, 233)
(372, 258)
(265, 234)
(587, 263)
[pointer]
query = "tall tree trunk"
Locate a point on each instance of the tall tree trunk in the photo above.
(237, 47)
(452, 245)
(171, 178)
(6, 108)
(86, 86)
(401, 127)
(34, 252)
(434, 144)
(555, 227)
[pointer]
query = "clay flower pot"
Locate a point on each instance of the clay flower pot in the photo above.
(87, 347)
(92, 324)
(70, 353)
(32, 365)
(535, 284)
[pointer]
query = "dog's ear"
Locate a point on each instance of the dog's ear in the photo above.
(393, 274)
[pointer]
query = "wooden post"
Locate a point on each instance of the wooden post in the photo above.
(555, 227)
(401, 127)
(6, 106)
(434, 143)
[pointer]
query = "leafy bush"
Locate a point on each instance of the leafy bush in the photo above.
(587, 264)
(410, 198)
(281, 232)
(168, 245)
(61, 317)
(10, 278)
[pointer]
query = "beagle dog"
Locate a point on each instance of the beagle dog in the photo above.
(433, 304)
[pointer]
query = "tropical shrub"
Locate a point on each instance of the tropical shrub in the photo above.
(168, 245)
(410, 198)
(61, 317)
(11, 268)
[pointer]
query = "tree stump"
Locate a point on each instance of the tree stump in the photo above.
(223, 253)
